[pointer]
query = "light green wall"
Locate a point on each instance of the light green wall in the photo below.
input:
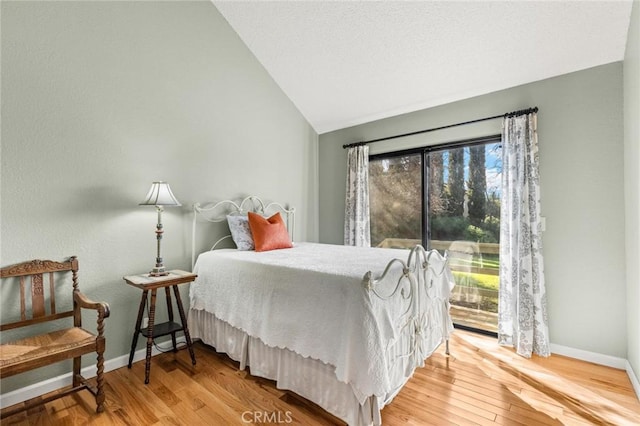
(101, 98)
(632, 186)
(581, 168)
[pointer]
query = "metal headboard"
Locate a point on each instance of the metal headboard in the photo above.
(218, 212)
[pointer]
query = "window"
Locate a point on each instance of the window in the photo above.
(446, 198)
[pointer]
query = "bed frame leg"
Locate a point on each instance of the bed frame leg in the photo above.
(446, 350)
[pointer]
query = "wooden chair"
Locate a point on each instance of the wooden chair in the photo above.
(43, 349)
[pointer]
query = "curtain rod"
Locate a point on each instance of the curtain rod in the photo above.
(505, 115)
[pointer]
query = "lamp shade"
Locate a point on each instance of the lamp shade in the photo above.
(160, 195)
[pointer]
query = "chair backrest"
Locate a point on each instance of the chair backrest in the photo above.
(35, 306)
(462, 254)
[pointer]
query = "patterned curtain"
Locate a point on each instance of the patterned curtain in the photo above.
(356, 214)
(522, 307)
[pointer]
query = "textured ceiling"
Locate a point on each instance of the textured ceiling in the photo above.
(344, 63)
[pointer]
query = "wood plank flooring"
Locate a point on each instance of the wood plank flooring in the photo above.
(479, 384)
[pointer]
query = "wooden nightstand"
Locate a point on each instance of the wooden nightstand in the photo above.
(146, 283)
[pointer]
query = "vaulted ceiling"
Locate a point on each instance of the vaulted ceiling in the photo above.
(344, 63)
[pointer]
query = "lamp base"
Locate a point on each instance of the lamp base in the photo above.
(158, 272)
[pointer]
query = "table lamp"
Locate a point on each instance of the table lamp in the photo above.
(159, 195)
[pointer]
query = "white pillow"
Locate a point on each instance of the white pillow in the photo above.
(240, 232)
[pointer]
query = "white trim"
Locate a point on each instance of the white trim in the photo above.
(20, 395)
(600, 359)
(594, 357)
(634, 379)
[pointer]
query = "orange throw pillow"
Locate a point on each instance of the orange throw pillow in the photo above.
(269, 234)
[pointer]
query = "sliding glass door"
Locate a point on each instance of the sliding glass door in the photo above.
(395, 194)
(446, 198)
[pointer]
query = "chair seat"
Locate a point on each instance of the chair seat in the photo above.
(36, 351)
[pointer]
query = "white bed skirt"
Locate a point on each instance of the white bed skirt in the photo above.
(307, 377)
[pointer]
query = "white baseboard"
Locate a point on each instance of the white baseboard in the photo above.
(634, 379)
(50, 385)
(594, 357)
(600, 359)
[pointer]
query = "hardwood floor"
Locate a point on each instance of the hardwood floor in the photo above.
(480, 383)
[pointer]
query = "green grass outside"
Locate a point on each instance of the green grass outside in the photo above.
(485, 263)
(490, 282)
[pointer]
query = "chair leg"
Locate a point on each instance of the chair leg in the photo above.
(77, 365)
(100, 397)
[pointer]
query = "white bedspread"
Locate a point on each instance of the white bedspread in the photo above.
(324, 312)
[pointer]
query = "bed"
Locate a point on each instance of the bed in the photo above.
(344, 327)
